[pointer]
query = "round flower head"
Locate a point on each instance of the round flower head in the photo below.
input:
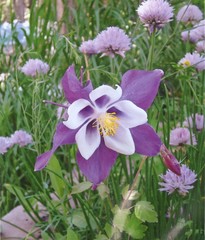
(189, 13)
(193, 59)
(180, 136)
(197, 119)
(182, 183)
(34, 67)
(88, 47)
(112, 41)
(200, 46)
(155, 13)
(195, 34)
(5, 143)
(22, 138)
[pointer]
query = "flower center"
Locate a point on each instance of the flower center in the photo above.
(107, 124)
(187, 63)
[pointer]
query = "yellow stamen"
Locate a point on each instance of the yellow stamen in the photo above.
(187, 63)
(107, 124)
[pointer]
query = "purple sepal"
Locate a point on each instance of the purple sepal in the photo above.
(73, 88)
(147, 142)
(98, 166)
(63, 135)
(169, 160)
(141, 87)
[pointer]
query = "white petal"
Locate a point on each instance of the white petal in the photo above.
(105, 95)
(121, 142)
(88, 140)
(78, 112)
(129, 114)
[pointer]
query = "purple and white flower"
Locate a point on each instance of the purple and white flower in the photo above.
(155, 14)
(189, 13)
(182, 183)
(193, 59)
(106, 121)
(35, 66)
(112, 41)
(180, 136)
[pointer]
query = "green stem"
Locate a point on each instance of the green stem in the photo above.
(151, 51)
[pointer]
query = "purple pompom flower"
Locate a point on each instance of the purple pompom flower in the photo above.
(182, 183)
(155, 14)
(112, 41)
(197, 119)
(88, 47)
(195, 34)
(5, 143)
(189, 13)
(21, 137)
(180, 136)
(194, 60)
(200, 46)
(35, 66)
(107, 121)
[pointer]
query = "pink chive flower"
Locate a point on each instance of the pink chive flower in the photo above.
(88, 47)
(112, 41)
(35, 66)
(194, 60)
(197, 119)
(189, 13)
(182, 183)
(101, 122)
(5, 144)
(180, 136)
(194, 34)
(200, 46)
(21, 137)
(155, 14)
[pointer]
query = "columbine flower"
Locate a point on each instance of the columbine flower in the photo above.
(21, 137)
(5, 143)
(112, 41)
(169, 160)
(155, 14)
(88, 47)
(189, 13)
(200, 46)
(193, 59)
(180, 136)
(182, 183)
(198, 119)
(34, 67)
(107, 121)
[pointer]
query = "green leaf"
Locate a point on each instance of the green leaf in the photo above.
(101, 237)
(56, 176)
(78, 219)
(120, 217)
(145, 212)
(134, 227)
(81, 187)
(71, 235)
